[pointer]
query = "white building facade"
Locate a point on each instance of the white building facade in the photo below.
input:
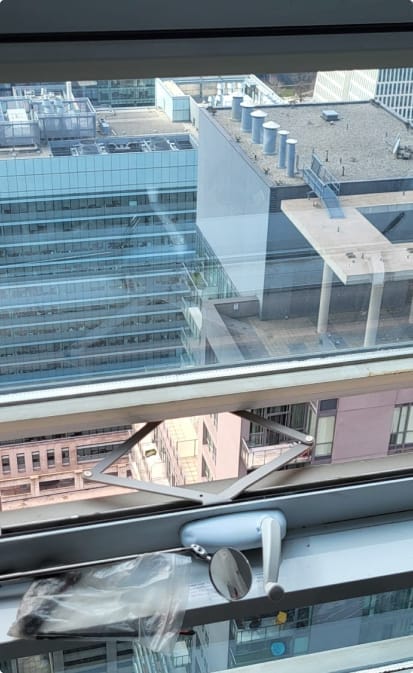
(392, 87)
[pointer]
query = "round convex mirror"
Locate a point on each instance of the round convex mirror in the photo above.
(230, 573)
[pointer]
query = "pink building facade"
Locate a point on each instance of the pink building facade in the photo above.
(47, 470)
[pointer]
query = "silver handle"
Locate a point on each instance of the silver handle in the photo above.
(272, 532)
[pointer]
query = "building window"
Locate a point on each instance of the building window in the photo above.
(205, 471)
(320, 423)
(324, 436)
(50, 458)
(36, 460)
(328, 405)
(94, 452)
(65, 456)
(5, 464)
(21, 462)
(401, 438)
(17, 489)
(52, 484)
(215, 418)
(207, 440)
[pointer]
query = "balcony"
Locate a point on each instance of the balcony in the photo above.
(255, 453)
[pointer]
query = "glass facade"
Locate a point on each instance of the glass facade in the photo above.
(117, 92)
(137, 243)
(98, 243)
(299, 254)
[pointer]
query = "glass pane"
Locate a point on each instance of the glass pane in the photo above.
(325, 429)
(280, 635)
(322, 450)
(153, 226)
(396, 419)
(404, 411)
(216, 225)
(409, 424)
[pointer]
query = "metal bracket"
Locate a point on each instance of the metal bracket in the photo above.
(300, 444)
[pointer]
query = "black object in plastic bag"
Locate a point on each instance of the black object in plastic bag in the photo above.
(144, 598)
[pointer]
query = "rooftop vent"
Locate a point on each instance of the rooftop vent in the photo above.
(329, 115)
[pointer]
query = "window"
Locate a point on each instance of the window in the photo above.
(5, 464)
(208, 441)
(401, 438)
(52, 484)
(50, 458)
(16, 490)
(65, 457)
(93, 452)
(205, 472)
(21, 462)
(328, 405)
(248, 338)
(36, 460)
(324, 436)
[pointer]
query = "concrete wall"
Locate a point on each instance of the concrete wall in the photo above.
(246, 308)
(226, 435)
(233, 206)
(363, 424)
(177, 108)
(269, 257)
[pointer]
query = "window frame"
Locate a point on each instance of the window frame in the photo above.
(189, 393)
(197, 392)
(131, 43)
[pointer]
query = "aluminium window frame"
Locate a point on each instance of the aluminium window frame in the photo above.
(130, 40)
(204, 49)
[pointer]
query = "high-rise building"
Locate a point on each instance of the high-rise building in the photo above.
(97, 253)
(102, 93)
(391, 87)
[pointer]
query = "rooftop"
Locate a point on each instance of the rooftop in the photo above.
(141, 121)
(358, 146)
(127, 130)
(353, 247)
(121, 145)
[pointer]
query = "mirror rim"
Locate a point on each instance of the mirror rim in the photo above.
(246, 564)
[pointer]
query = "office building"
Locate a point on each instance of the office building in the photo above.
(283, 292)
(95, 264)
(278, 296)
(117, 93)
(48, 470)
(96, 255)
(102, 93)
(391, 87)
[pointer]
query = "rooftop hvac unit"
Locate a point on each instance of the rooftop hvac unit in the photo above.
(329, 115)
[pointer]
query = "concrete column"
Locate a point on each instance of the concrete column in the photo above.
(58, 662)
(325, 296)
(78, 479)
(411, 313)
(34, 485)
(373, 314)
(111, 657)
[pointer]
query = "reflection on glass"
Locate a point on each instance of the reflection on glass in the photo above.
(232, 219)
(222, 225)
(242, 642)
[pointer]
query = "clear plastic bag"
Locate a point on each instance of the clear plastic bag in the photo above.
(144, 598)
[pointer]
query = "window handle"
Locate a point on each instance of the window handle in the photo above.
(273, 530)
(244, 530)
